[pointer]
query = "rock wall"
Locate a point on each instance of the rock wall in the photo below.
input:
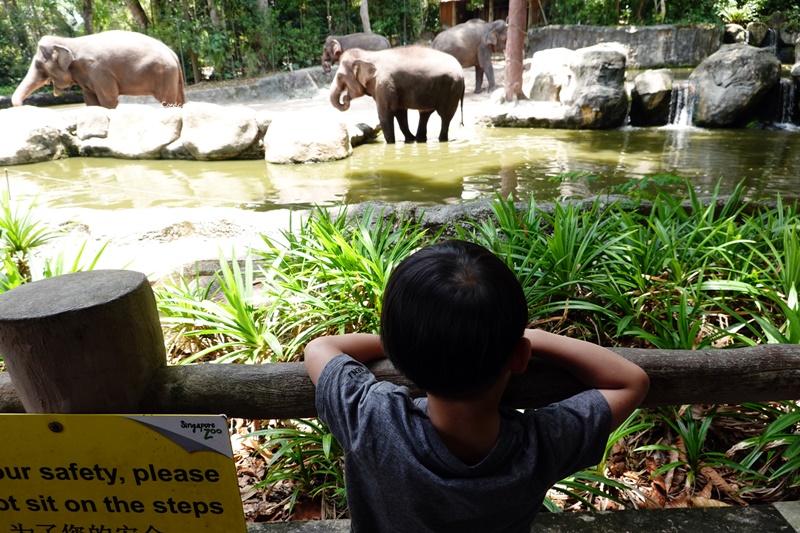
(305, 83)
(648, 46)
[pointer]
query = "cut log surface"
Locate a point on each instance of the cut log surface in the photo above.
(87, 342)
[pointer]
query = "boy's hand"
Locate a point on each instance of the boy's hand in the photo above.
(360, 346)
(623, 384)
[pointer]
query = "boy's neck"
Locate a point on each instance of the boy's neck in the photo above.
(469, 427)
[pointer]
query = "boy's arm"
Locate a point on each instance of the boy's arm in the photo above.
(362, 347)
(622, 383)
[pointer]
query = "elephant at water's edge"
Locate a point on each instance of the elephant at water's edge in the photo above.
(336, 45)
(473, 43)
(105, 65)
(399, 79)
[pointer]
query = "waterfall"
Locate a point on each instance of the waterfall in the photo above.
(682, 102)
(772, 38)
(784, 107)
(772, 42)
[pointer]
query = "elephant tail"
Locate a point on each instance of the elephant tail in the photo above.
(181, 86)
(462, 105)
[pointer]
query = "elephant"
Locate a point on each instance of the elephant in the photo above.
(473, 43)
(336, 44)
(105, 65)
(399, 79)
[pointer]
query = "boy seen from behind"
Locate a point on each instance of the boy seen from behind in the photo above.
(454, 323)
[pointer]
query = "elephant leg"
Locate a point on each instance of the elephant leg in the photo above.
(485, 66)
(109, 97)
(422, 127)
(90, 98)
(478, 79)
(446, 118)
(490, 76)
(402, 121)
(387, 125)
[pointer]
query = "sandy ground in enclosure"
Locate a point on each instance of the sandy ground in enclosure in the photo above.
(158, 241)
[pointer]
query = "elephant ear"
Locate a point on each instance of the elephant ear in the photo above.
(364, 72)
(497, 33)
(63, 56)
(336, 49)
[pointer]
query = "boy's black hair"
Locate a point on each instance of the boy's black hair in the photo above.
(452, 314)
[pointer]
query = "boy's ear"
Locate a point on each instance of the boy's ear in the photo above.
(521, 356)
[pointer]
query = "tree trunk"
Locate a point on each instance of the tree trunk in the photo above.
(514, 49)
(365, 16)
(138, 13)
(88, 16)
(192, 54)
(213, 14)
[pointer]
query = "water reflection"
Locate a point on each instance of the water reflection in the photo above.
(477, 163)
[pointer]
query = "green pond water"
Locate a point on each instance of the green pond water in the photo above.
(478, 162)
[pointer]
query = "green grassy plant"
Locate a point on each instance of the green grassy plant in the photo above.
(775, 453)
(20, 233)
(305, 454)
(693, 436)
(592, 483)
(236, 327)
(329, 276)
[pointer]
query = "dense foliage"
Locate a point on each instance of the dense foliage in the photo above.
(645, 12)
(226, 39)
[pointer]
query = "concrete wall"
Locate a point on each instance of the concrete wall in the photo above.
(648, 46)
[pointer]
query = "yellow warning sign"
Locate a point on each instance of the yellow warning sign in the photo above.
(117, 474)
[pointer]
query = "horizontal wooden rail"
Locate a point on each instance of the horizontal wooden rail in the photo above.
(283, 390)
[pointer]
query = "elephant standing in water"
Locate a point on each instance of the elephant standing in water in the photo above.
(105, 65)
(335, 45)
(399, 79)
(473, 44)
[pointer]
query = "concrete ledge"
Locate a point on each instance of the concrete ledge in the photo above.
(778, 518)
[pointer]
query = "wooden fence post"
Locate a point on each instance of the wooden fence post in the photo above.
(87, 342)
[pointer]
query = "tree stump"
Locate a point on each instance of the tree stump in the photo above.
(87, 342)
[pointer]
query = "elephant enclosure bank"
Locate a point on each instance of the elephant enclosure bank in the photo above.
(212, 155)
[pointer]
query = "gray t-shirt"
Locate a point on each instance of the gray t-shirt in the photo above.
(401, 477)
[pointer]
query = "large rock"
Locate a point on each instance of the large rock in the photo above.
(650, 98)
(128, 132)
(215, 132)
(757, 33)
(598, 89)
(306, 137)
(31, 135)
(581, 89)
(732, 82)
(734, 33)
(549, 72)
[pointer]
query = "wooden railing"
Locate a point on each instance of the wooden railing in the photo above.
(73, 343)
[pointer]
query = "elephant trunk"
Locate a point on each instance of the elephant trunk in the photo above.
(340, 99)
(326, 66)
(33, 80)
